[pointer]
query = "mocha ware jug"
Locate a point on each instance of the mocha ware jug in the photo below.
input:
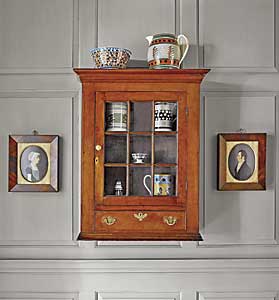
(166, 51)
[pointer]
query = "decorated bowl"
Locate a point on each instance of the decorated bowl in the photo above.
(139, 158)
(110, 57)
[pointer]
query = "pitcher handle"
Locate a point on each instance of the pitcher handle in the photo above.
(184, 43)
(145, 185)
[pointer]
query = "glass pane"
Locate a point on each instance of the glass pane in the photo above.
(115, 181)
(141, 116)
(115, 149)
(140, 149)
(165, 181)
(139, 178)
(165, 116)
(165, 149)
(116, 116)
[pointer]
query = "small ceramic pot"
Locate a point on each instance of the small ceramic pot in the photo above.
(116, 116)
(163, 184)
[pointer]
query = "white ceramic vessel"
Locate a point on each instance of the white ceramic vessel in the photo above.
(163, 184)
(139, 158)
(166, 51)
(164, 116)
(116, 116)
(110, 57)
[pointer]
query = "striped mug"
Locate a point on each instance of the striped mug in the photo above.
(116, 116)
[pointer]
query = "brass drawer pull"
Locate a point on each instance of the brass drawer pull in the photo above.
(140, 216)
(109, 220)
(170, 220)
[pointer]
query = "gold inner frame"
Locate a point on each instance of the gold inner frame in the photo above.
(254, 145)
(20, 148)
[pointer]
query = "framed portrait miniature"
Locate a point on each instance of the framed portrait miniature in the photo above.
(33, 163)
(242, 161)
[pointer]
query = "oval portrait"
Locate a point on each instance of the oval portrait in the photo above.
(241, 162)
(33, 163)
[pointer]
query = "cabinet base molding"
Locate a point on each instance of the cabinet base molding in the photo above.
(140, 236)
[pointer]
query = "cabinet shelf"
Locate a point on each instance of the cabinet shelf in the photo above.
(139, 165)
(149, 133)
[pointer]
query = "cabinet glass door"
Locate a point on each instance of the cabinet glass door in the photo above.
(141, 155)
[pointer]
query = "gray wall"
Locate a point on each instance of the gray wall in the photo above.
(40, 42)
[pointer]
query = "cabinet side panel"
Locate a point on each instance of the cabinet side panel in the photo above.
(193, 131)
(87, 160)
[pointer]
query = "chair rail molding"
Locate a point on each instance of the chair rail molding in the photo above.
(141, 266)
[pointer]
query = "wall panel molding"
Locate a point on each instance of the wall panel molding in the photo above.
(125, 244)
(187, 20)
(238, 295)
(118, 26)
(74, 133)
(272, 173)
(276, 179)
(208, 50)
(88, 31)
(208, 266)
(38, 295)
(43, 64)
(138, 295)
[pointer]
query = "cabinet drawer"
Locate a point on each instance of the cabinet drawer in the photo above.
(140, 221)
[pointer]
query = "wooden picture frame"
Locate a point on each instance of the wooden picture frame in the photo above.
(241, 161)
(33, 163)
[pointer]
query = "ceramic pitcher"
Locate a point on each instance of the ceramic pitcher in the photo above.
(163, 184)
(166, 51)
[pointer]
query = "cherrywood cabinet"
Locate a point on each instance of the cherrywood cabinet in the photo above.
(157, 114)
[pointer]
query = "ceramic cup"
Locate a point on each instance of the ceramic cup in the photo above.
(116, 116)
(164, 116)
(163, 184)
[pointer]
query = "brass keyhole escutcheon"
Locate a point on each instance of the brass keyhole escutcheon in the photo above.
(140, 216)
(96, 160)
(98, 147)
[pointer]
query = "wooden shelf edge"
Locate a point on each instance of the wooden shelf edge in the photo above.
(140, 236)
(141, 75)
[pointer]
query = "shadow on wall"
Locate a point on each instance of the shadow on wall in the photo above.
(133, 63)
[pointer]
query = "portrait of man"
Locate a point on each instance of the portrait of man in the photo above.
(242, 170)
(34, 164)
(241, 162)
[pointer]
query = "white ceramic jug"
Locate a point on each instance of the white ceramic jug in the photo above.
(166, 51)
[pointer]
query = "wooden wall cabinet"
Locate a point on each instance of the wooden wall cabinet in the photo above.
(171, 214)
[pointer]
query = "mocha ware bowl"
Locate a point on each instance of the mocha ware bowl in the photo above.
(110, 57)
(139, 158)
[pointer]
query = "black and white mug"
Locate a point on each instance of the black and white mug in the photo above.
(164, 116)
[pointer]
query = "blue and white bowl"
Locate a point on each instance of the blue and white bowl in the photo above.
(110, 57)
